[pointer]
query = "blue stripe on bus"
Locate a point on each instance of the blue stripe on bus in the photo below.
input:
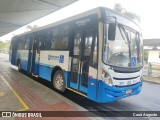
(83, 89)
(97, 90)
(107, 93)
(66, 75)
(92, 89)
(46, 65)
(24, 64)
(74, 85)
(36, 68)
(45, 72)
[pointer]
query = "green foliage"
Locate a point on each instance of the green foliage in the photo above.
(118, 7)
(4, 46)
(145, 54)
(123, 11)
(29, 27)
(133, 16)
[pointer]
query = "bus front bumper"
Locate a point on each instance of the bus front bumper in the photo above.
(109, 94)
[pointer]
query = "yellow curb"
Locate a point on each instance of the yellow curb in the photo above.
(1, 94)
(17, 96)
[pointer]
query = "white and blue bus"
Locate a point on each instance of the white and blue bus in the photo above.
(97, 54)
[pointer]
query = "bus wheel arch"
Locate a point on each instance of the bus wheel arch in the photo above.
(58, 79)
(19, 64)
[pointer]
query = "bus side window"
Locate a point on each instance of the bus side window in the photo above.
(41, 44)
(95, 52)
(64, 42)
(47, 38)
(77, 43)
(34, 45)
(54, 39)
(64, 37)
(88, 44)
(26, 46)
(53, 43)
(21, 44)
(59, 39)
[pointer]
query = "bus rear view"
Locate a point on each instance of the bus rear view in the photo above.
(97, 54)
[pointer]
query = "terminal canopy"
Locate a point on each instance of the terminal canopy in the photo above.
(17, 13)
(152, 42)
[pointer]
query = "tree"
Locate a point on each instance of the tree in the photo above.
(29, 27)
(133, 16)
(118, 7)
(4, 46)
(145, 54)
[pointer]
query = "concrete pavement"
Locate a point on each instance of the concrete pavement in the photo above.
(37, 96)
(19, 92)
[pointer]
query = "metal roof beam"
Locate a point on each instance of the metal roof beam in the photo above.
(49, 3)
(27, 10)
(11, 24)
(17, 13)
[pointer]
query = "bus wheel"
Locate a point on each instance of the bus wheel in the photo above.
(19, 66)
(58, 81)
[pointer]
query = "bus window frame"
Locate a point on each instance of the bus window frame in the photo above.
(94, 23)
(49, 36)
(116, 68)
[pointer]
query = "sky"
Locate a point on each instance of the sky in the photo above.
(148, 10)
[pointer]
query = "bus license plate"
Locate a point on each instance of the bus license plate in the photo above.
(128, 91)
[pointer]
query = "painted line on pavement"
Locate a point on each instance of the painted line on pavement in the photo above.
(1, 94)
(17, 96)
(76, 92)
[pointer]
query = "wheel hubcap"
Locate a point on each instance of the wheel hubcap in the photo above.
(59, 81)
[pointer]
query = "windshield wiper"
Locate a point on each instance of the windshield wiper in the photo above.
(127, 36)
(121, 31)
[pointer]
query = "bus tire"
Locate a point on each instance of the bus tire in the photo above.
(19, 66)
(59, 81)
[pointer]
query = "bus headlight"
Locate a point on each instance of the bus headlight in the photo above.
(141, 79)
(107, 78)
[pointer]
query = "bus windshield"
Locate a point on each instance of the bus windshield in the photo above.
(125, 50)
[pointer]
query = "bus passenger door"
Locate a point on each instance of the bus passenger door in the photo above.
(35, 56)
(85, 60)
(81, 60)
(32, 55)
(76, 60)
(13, 53)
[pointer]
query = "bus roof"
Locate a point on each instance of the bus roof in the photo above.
(84, 14)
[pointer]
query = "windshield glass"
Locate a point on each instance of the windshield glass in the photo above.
(125, 50)
(136, 49)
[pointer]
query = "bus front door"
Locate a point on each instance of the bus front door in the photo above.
(34, 58)
(81, 60)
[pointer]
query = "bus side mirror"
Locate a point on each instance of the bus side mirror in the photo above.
(111, 28)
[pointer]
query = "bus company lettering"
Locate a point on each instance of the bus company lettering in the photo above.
(56, 58)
